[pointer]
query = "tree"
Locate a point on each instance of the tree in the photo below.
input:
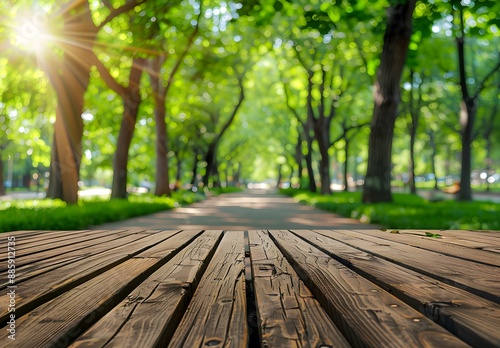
(64, 42)
(397, 35)
(160, 91)
(304, 133)
(468, 106)
(210, 155)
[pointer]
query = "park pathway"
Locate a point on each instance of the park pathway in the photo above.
(248, 210)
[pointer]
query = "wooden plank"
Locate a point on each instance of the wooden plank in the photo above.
(54, 246)
(287, 312)
(471, 239)
(81, 246)
(31, 270)
(151, 313)
(216, 315)
(477, 278)
(420, 240)
(469, 317)
(367, 315)
(59, 321)
(42, 288)
(46, 239)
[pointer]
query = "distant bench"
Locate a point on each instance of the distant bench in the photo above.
(133, 288)
(453, 189)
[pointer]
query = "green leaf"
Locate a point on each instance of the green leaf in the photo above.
(432, 235)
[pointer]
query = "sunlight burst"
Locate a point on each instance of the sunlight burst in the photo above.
(32, 33)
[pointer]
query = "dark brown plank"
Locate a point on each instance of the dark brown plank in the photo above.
(419, 239)
(470, 239)
(216, 315)
(46, 240)
(367, 315)
(469, 317)
(61, 320)
(477, 278)
(24, 258)
(44, 287)
(49, 247)
(287, 312)
(151, 313)
(67, 256)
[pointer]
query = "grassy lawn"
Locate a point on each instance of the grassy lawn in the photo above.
(407, 211)
(48, 214)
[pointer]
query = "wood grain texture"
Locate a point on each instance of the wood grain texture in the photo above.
(61, 320)
(288, 313)
(482, 280)
(470, 239)
(43, 243)
(58, 260)
(44, 287)
(367, 315)
(77, 246)
(216, 316)
(441, 245)
(469, 317)
(151, 313)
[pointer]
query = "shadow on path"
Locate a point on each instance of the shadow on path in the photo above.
(252, 209)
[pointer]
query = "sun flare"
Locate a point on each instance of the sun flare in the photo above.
(32, 34)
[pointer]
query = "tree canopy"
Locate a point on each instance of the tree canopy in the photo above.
(170, 94)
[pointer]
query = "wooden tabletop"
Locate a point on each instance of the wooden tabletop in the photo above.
(325, 288)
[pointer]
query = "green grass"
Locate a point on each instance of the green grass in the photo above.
(407, 211)
(229, 189)
(50, 214)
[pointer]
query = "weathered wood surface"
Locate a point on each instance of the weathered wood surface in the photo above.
(288, 313)
(149, 288)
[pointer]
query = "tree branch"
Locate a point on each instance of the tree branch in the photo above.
(183, 54)
(292, 109)
(107, 78)
(347, 129)
(129, 5)
(461, 56)
(321, 106)
(235, 110)
(482, 85)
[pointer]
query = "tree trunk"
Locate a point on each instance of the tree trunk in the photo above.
(162, 186)
(210, 160)
(298, 158)
(178, 173)
(280, 175)
(377, 186)
(194, 170)
(70, 85)
(489, 148)
(310, 170)
(467, 119)
(131, 102)
(236, 175)
(162, 181)
(413, 136)
(346, 162)
(432, 143)
(322, 131)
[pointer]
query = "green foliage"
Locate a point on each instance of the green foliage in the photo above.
(407, 211)
(228, 189)
(254, 38)
(56, 215)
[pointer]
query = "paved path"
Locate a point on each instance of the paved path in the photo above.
(252, 209)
